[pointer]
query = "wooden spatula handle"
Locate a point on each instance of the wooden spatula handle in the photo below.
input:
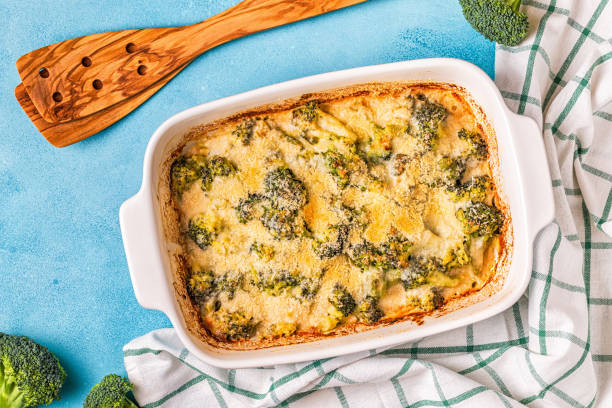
(84, 75)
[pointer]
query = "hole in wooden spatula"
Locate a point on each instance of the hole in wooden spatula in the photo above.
(86, 61)
(142, 69)
(130, 48)
(97, 84)
(57, 97)
(44, 73)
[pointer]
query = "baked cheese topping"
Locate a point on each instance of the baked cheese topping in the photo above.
(334, 214)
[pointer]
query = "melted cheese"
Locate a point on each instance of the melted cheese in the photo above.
(387, 204)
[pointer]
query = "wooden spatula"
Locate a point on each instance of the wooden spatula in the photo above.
(95, 80)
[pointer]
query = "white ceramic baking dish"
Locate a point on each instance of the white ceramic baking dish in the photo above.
(525, 181)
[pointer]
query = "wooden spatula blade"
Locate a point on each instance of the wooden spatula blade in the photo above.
(62, 134)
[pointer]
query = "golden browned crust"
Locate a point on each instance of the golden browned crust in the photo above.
(498, 260)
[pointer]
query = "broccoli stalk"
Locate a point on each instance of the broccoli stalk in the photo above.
(497, 20)
(30, 374)
(111, 392)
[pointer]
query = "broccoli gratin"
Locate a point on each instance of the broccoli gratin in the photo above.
(334, 213)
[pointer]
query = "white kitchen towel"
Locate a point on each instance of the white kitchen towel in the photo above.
(551, 349)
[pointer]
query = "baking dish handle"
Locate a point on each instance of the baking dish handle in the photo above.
(143, 254)
(533, 167)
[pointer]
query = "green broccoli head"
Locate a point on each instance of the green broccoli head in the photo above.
(30, 374)
(201, 285)
(477, 145)
(244, 131)
(368, 310)
(497, 20)
(333, 243)
(275, 282)
(247, 207)
(342, 300)
(284, 190)
(378, 146)
(306, 113)
(218, 166)
(263, 251)
(185, 171)
(479, 219)
(476, 189)
(111, 392)
(280, 223)
(202, 231)
(452, 169)
(427, 119)
(418, 271)
(236, 325)
(339, 167)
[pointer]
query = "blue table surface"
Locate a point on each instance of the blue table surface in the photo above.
(65, 281)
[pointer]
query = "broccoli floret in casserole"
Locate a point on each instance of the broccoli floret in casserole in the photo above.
(378, 145)
(497, 20)
(452, 169)
(333, 243)
(480, 219)
(263, 251)
(365, 255)
(244, 131)
(235, 325)
(247, 207)
(185, 171)
(458, 255)
(283, 329)
(201, 285)
(284, 190)
(342, 300)
(368, 310)
(30, 375)
(395, 252)
(275, 283)
(419, 269)
(202, 230)
(111, 392)
(478, 147)
(431, 300)
(280, 223)
(339, 167)
(427, 120)
(475, 190)
(217, 167)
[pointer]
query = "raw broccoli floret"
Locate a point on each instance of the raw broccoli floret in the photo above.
(419, 269)
(497, 20)
(202, 231)
(333, 244)
(185, 171)
(476, 189)
(452, 169)
(236, 325)
(478, 147)
(111, 392)
(30, 374)
(339, 167)
(247, 207)
(368, 310)
(480, 219)
(263, 251)
(244, 131)
(218, 166)
(427, 119)
(284, 190)
(342, 300)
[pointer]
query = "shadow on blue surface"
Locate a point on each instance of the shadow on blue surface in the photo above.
(65, 279)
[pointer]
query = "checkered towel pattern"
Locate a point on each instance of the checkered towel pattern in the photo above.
(551, 349)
